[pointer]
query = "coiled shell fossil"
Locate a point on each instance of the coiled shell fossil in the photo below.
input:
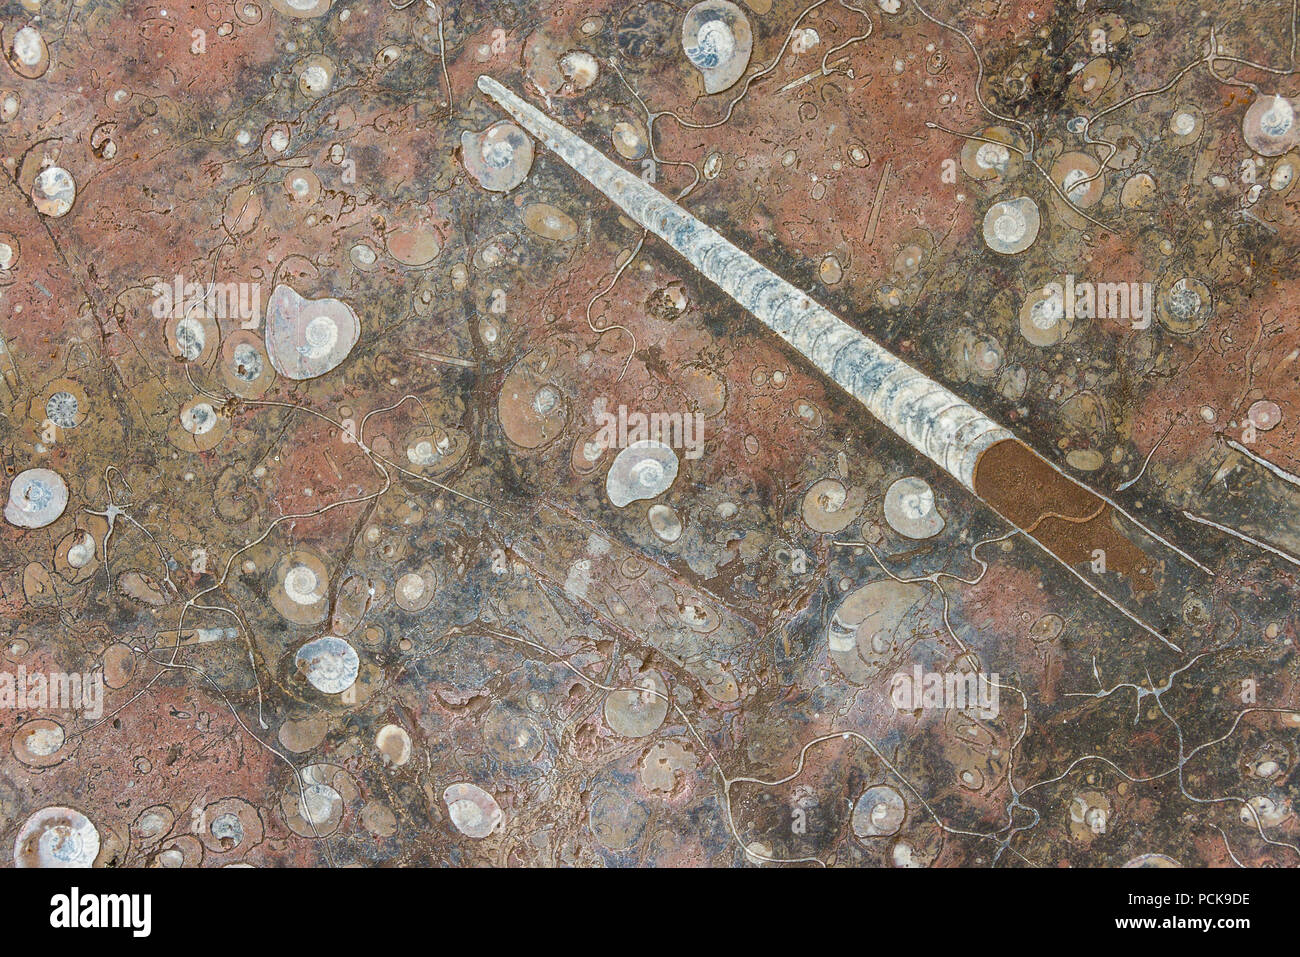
(499, 157)
(306, 338)
(56, 837)
(643, 470)
(37, 497)
(717, 40)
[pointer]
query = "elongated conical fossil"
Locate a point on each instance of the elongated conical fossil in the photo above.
(1066, 519)
(925, 414)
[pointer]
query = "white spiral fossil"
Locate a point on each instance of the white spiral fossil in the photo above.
(927, 416)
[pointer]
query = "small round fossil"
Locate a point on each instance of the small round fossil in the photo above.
(315, 806)
(39, 743)
(1265, 414)
(76, 556)
(634, 713)
(1139, 191)
(588, 453)
(551, 223)
(1185, 306)
(473, 811)
(1098, 75)
(413, 245)
(303, 734)
(643, 470)
(1043, 321)
(245, 367)
(301, 589)
(829, 507)
(1284, 174)
(1047, 628)
(54, 191)
(414, 591)
(531, 407)
(630, 139)
(1185, 123)
(664, 523)
(230, 824)
(580, 69)
(29, 55)
(37, 497)
(1152, 860)
(56, 837)
(717, 40)
(330, 664)
(10, 251)
(872, 625)
(878, 812)
(152, 824)
(499, 158)
(1011, 226)
(316, 76)
(436, 450)
(394, 745)
(63, 409)
(379, 820)
(193, 336)
(302, 185)
(1270, 126)
(910, 509)
(1079, 177)
(1085, 460)
(300, 9)
(999, 159)
(119, 664)
(199, 426)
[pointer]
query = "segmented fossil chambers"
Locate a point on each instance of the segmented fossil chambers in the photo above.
(929, 417)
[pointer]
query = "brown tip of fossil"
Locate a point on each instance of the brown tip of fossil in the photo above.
(1067, 519)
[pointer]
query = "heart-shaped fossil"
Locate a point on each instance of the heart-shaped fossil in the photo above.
(306, 338)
